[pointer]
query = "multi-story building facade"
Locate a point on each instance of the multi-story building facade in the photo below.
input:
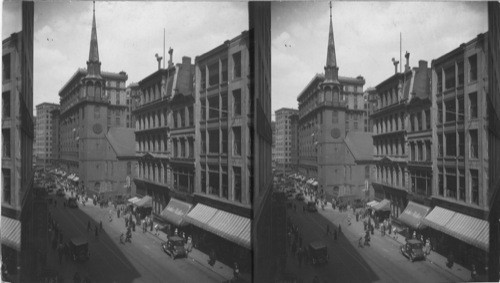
(273, 148)
(24, 235)
(133, 99)
(92, 102)
(371, 100)
(268, 219)
(460, 132)
(56, 137)
(330, 107)
(390, 138)
(223, 124)
(494, 137)
(44, 134)
(283, 136)
(165, 135)
(294, 126)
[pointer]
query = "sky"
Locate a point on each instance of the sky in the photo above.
(129, 35)
(367, 37)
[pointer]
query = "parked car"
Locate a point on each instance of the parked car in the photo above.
(413, 249)
(174, 247)
(72, 202)
(299, 196)
(79, 249)
(311, 207)
(60, 193)
(317, 252)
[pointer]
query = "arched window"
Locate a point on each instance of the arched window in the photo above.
(329, 94)
(90, 90)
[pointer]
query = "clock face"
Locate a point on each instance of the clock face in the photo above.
(335, 133)
(97, 128)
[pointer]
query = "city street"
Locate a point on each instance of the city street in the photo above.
(380, 262)
(143, 260)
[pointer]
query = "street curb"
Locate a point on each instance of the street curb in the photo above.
(436, 264)
(195, 260)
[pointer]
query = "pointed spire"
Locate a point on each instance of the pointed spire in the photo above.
(93, 64)
(331, 69)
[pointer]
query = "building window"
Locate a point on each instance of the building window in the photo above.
(203, 145)
(461, 108)
(224, 70)
(213, 141)
(473, 104)
(237, 102)
(117, 120)
(6, 142)
(213, 106)
(420, 151)
(439, 74)
(427, 119)
(451, 144)
(237, 183)
(225, 187)
(224, 141)
(450, 110)
(440, 113)
(203, 75)
(460, 73)
(441, 183)
(237, 141)
(97, 112)
(213, 74)
(412, 148)
(419, 125)
(461, 185)
(237, 65)
(6, 193)
(474, 150)
(203, 179)
(117, 97)
(474, 174)
(213, 180)
(461, 144)
(191, 116)
(451, 183)
(191, 147)
(176, 152)
(449, 76)
(473, 68)
(183, 146)
(6, 104)
(182, 114)
(428, 151)
(203, 110)
(6, 67)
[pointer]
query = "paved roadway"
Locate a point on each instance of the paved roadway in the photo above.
(143, 260)
(380, 262)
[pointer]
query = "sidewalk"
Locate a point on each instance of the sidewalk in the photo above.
(462, 273)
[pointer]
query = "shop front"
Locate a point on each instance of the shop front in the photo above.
(381, 211)
(412, 219)
(173, 214)
(466, 237)
(226, 234)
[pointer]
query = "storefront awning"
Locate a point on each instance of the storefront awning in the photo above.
(174, 212)
(133, 200)
(413, 215)
(471, 230)
(11, 233)
(227, 225)
(372, 203)
(384, 205)
(146, 201)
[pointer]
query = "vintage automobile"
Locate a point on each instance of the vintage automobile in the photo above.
(413, 249)
(317, 252)
(174, 247)
(79, 249)
(299, 196)
(72, 202)
(311, 207)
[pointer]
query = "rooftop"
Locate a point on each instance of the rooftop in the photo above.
(122, 141)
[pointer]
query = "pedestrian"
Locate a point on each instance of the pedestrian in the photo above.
(151, 224)
(144, 227)
(357, 216)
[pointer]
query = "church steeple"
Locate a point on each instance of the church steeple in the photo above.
(93, 64)
(331, 69)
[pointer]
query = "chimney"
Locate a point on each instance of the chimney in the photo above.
(422, 64)
(170, 52)
(158, 58)
(396, 63)
(407, 65)
(186, 60)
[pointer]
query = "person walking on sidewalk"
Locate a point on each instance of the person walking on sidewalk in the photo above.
(157, 227)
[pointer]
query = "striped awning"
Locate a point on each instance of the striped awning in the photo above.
(11, 233)
(471, 230)
(384, 205)
(413, 214)
(227, 225)
(174, 212)
(146, 201)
